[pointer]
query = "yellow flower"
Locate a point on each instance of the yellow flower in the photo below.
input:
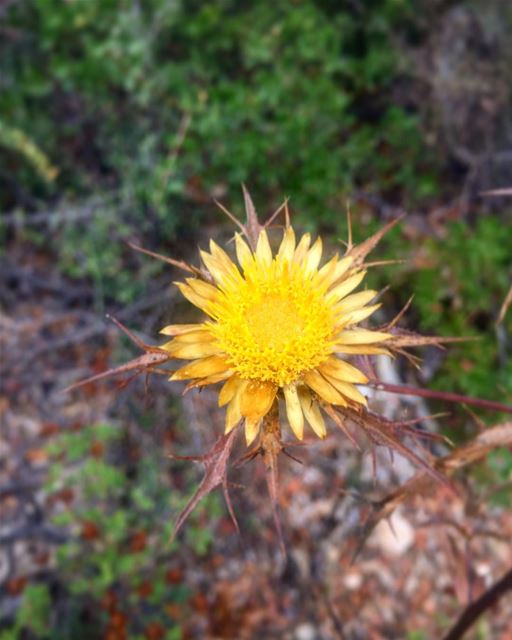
(278, 326)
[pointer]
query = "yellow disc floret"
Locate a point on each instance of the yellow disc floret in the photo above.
(275, 326)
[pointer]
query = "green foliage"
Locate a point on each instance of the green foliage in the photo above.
(35, 610)
(459, 283)
(33, 614)
(460, 294)
(17, 141)
(167, 103)
(499, 465)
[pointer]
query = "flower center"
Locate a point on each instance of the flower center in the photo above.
(274, 322)
(274, 326)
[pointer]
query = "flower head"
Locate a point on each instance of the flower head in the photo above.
(280, 329)
(277, 326)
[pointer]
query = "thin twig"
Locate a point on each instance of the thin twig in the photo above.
(504, 307)
(507, 191)
(441, 395)
(475, 609)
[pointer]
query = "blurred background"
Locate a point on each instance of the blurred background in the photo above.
(122, 121)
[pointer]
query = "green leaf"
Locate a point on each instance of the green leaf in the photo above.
(35, 609)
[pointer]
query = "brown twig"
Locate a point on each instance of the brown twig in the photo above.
(445, 396)
(507, 191)
(476, 608)
(504, 307)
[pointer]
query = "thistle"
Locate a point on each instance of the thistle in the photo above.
(277, 335)
(278, 327)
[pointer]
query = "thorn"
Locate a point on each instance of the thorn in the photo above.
(349, 226)
(479, 423)
(230, 216)
(275, 214)
(374, 466)
(175, 263)
(250, 455)
(341, 425)
(227, 498)
(400, 314)
(289, 455)
(391, 525)
(252, 227)
(382, 263)
(286, 213)
(127, 331)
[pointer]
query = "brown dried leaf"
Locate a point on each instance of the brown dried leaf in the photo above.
(421, 483)
(215, 474)
(490, 439)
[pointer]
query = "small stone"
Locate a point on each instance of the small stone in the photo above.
(305, 631)
(394, 537)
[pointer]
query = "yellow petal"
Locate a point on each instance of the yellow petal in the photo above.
(192, 351)
(345, 287)
(204, 289)
(179, 329)
(361, 350)
(355, 317)
(228, 391)
(323, 388)
(257, 398)
(302, 248)
(287, 246)
(294, 410)
(312, 412)
(354, 301)
(342, 371)
(192, 296)
(201, 368)
(348, 390)
(323, 278)
(341, 268)
(201, 334)
(233, 415)
(313, 257)
(222, 257)
(252, 427)
(362, 336)
(218, 270)
(263, 250)
(243, 253)
(203, 382)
